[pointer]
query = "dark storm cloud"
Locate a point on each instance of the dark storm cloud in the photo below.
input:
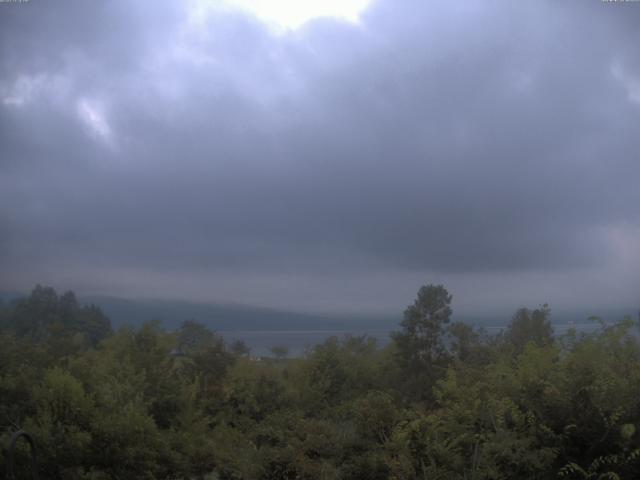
(461, 137)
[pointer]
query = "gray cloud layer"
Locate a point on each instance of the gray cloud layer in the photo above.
(455, 140)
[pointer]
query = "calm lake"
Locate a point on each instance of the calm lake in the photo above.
(297, 341)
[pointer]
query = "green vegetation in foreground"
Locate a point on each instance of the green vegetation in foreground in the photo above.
(442, 401)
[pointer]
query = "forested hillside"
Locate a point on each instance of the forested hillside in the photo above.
(443, 400)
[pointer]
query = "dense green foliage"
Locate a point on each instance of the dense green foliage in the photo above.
(442, 401)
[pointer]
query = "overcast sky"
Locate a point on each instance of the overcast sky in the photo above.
(210, 151)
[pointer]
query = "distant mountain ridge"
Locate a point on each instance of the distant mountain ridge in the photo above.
(226, 317)
(222, 316)
(238, 317)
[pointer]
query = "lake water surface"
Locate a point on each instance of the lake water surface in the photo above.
(298, 341)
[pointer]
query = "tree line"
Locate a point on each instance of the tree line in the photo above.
(443, 400)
